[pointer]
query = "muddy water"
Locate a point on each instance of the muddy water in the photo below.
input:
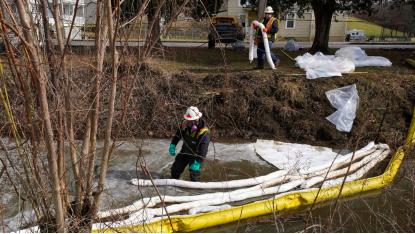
(224, 162)
(382, 211)
(388, 210)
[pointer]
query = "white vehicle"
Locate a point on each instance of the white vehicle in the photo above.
(355, 35)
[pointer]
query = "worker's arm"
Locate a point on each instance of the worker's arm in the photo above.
(274, 28)
(177, 137)
(203, 144)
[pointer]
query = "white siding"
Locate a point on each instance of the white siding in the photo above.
(304, 29)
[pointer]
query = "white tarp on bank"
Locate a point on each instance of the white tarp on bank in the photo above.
(306, 159)
(361, 59)
(320, 65)
(289, 156)
(345, 60)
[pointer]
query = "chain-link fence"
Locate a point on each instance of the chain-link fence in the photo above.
(189, 32)
(198, 31)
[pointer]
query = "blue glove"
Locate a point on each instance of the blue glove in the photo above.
(195, 166)
(172, 150)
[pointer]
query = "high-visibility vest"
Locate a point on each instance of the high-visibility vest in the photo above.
(268, 27)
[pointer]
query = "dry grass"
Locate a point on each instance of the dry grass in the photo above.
(292, 91)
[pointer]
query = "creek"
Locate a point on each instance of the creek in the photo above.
(381, 211)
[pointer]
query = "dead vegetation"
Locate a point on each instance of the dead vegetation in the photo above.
(151, 97)
(252, 105)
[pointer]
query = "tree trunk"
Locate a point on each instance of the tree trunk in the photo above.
(39, 198)
(261, 8)
(100, 43)
(38, 71)
(323, 11)
(112, 32)
(69, 115)
(153, 19)
(57, 87)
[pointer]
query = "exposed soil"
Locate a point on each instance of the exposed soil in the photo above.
(249, 105)
(280, 105)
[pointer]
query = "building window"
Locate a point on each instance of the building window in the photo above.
(290, 21)
(67, 9)
(80, 11)
(245, 3)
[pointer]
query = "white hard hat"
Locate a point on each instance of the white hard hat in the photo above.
(192, 113)
(269, 10)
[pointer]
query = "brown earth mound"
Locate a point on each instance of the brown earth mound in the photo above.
(247, 105)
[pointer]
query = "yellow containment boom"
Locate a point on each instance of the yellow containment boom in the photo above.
(282, 202)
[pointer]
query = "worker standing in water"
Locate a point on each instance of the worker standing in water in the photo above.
(271, 28)
(196, 140)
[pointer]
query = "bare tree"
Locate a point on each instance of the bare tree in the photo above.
(39, 75)
(261, 8)
(49, 105)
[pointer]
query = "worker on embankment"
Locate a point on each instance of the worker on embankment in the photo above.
(271, 28)
(196, 140)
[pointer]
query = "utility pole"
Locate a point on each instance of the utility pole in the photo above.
(216, 7)
(261, 8)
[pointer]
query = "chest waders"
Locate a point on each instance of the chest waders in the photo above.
(189, 154)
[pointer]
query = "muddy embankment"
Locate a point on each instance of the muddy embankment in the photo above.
(245, 105)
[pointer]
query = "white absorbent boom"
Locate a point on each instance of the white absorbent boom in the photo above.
(265, 40)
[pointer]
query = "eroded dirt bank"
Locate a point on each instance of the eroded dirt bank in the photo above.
(251, 105)
(248, 104)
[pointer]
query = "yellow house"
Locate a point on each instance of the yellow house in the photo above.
(291, 25)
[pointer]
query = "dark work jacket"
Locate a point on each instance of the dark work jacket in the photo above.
(194, 143)
(272, 31)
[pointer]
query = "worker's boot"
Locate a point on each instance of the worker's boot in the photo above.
(260, 66)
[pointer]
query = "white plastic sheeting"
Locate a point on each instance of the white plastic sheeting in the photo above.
(292, 156)
(346, 101)
(361, 59)
(320, 65)
(345, 60)
(307, 160)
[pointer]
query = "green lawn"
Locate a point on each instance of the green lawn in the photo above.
(371, 29)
